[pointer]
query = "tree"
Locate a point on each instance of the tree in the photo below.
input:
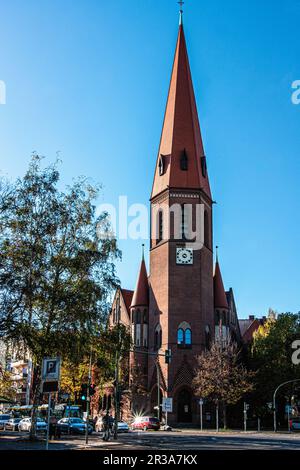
(56, 274)
(271, 357)
(103, 361)
(72, 377)
(7, 387)
(221, 377)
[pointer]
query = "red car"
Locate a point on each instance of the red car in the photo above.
(146, 422)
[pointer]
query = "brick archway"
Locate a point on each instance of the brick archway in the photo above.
(184, 400)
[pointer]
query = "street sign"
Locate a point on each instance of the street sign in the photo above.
(167, 405)
(51, 369)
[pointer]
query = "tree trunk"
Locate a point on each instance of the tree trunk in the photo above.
(35, 402)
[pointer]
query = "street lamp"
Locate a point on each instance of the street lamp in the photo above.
(274, 399)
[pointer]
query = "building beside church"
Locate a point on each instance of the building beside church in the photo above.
(181, 305)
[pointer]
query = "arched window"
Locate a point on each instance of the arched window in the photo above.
(157, 337)
(184, 161)
(145, 316)
(203, 166)
(161, 165)
(207, 337)
(184, 335)
(180, 336)
(188, 337)
(206, 230)
(160, 226)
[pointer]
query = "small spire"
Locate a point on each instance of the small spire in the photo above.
(181, 3)
(217, 254)
(143, 251)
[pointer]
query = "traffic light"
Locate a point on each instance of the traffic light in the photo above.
(168, 356)
(92, 390)
(83, 392)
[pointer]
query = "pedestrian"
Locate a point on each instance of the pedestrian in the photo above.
(106, 426)
(52, 427)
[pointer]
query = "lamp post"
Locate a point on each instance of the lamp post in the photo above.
(88, 399)
(274, 400)
(117, 361)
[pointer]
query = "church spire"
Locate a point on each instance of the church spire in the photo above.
(181, 131)
(141, 293)
(220, 299)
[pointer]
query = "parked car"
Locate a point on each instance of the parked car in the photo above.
(123, 427)
(4, 420)
(12, 424)
(74, 426)
(25, 425)
(295, 424)
(146, 422)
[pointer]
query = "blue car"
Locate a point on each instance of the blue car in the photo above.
(74, 426)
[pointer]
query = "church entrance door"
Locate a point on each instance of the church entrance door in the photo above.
(184, 406)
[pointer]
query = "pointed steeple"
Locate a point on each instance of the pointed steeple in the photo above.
(141, 293)
(220, 299)
(181, 131)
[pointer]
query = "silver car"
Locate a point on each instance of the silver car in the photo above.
(123, 427)
(25, 425)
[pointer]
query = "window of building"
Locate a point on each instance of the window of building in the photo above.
(145, 317)
(158, 337)
(161, 165)
(180, 336)
(207, 337)
(184, 161)
(160, 233)
(145, 335)
(184, 335)
(185, 221)
(138, 334)
(206, 230)
(188, 337)
(204, 166)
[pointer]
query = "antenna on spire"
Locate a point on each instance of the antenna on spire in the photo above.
(143, 251)
(181, 3)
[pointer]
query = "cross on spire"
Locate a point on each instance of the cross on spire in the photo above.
(181, 3)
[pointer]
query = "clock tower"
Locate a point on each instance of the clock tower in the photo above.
(181, 299)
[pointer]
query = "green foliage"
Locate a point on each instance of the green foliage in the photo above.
(56, 275)
(271, 355)
(7, 387)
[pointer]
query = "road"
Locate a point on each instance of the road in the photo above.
(177, 440)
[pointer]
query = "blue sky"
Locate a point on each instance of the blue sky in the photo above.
(89, 78)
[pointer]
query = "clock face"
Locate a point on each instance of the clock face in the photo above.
(184, 256)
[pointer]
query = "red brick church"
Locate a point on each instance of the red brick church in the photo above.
(181, 304)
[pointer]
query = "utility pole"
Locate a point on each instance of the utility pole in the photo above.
(245, 416)
(217, 416)
(201, 413)
(88, 398)
(117, 360)
(158, 388)
(274, 400)
(48, 421)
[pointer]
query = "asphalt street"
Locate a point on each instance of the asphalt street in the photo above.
(183, 440)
